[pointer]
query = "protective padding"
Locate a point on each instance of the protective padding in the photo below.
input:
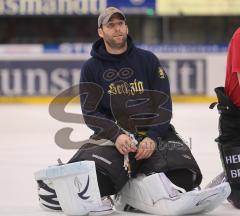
(155, 194)
(75, 185)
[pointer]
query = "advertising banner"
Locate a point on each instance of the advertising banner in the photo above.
(197, 7)
(135, 6)
(40, 77)
(51, 7)
(73, 7)
(186, 76)
(85, 48)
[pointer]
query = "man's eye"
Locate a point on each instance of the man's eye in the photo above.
(110, 25)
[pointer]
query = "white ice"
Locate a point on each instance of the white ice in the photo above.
(27, 144)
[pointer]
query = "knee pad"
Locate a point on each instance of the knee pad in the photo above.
(76, 186)
(108, 161)
(174, 155)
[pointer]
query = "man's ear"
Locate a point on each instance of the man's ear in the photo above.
(127, 28)
(100, 32)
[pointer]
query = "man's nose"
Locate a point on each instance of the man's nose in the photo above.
(117, 27)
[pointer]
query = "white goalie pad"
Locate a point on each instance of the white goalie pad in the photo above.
(156, 194)
(76, 186)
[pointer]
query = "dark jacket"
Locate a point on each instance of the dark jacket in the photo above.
(117, 87)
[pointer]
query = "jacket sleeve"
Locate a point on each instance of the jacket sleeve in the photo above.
(90, 98)
(159, 82)
(234, 49)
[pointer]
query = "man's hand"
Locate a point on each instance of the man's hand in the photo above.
(124, 144)
(145, 149)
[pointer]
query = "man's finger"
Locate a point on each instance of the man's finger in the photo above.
(148, 154)
(133, 148)
(120, 150)
(141, 153)
(125, 149)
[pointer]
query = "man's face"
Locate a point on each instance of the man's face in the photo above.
(114, 32)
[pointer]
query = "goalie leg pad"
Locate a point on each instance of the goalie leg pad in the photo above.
(109, 164)
(75, 185)
(156, 194)
(144, 192)
(47, 195)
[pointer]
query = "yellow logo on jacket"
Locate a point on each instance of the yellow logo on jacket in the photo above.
(161, 73)
(133, 88)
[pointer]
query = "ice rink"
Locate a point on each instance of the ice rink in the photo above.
(27, 144)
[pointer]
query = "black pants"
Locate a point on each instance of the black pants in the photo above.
(229, 143)
(172, 156)
(229, 136)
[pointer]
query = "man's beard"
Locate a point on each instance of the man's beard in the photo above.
(113, 44)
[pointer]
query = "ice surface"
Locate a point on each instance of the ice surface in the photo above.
(27, 144)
